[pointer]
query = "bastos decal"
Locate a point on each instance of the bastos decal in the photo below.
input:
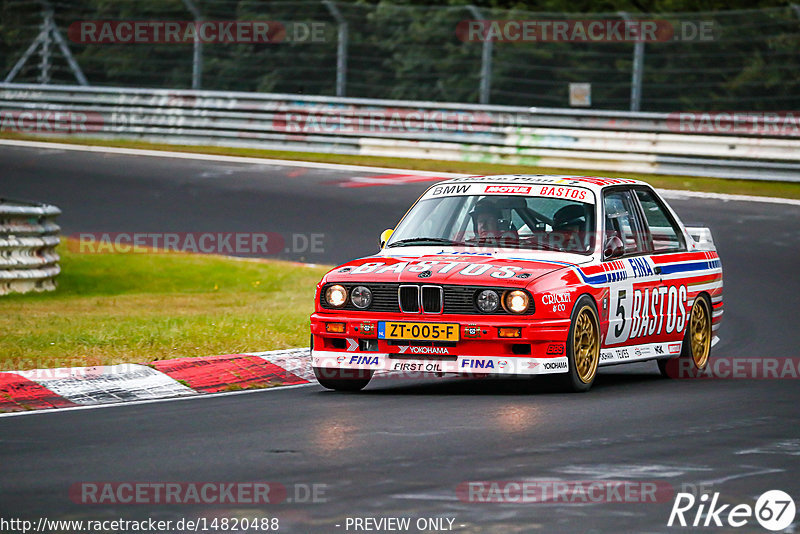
(642, 310)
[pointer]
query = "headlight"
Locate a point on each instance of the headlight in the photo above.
(361, 297)
(488, 301)
(517, 301)
(336, 296)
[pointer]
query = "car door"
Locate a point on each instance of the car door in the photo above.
(632, 279)
(666, 243)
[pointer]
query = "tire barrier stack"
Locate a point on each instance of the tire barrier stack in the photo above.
(28, 240)
(762, 146)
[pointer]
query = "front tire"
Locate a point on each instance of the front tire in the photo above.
(343, 379)
(696, 346)
(583, 346)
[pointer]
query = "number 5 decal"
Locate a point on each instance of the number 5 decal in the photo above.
(620, 328)
(619, 324)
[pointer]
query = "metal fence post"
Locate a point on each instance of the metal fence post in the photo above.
(486, 61)
(47, 34)
(636, 70)
(197, 56)
(47, 41)
(341, 47)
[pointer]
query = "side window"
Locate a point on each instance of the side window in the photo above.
(621, 221)
(666, 235)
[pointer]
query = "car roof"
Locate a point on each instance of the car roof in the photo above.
(595, 183)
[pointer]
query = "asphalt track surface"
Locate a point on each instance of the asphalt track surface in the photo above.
(402, 447)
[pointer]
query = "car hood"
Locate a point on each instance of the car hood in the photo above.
(420, 267)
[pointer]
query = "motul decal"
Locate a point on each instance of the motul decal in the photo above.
(507, 189)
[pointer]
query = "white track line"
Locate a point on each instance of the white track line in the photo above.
(677, 194)
(217, 157)
(670, 193)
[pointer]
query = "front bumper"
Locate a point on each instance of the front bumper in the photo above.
(540, 348)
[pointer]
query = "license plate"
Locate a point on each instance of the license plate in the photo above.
(418, 331)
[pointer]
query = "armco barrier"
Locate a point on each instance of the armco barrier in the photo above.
(652, 143)
(28, 240)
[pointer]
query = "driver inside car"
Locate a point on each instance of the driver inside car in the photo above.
(488, 222)
(569, 228)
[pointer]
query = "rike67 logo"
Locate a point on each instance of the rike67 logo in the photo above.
(774, 510)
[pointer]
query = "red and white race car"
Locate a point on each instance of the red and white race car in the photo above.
(522, 275)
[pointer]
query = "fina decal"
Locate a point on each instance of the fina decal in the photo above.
(477, 363)
(363, 360)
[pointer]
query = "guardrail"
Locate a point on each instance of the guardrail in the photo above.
(28, 241)
(651, 143)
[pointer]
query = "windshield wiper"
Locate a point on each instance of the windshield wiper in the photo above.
(545, 246)
(422, 240)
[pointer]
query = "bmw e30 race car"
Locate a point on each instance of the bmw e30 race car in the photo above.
(522, 275)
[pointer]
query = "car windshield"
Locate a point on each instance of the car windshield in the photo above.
(503, 221)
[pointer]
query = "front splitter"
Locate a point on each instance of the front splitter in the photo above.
(462, 364)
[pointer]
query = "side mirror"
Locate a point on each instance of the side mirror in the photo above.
(614, 248)
(385, 235)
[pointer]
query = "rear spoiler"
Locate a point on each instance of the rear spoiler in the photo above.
(702, 238)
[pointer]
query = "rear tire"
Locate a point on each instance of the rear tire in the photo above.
(583, 347)
(696, 346)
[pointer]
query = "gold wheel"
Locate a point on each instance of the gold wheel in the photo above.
(700, 332)
(586, 345)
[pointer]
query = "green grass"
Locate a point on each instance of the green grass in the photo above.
(714, 185)
(115, 308)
